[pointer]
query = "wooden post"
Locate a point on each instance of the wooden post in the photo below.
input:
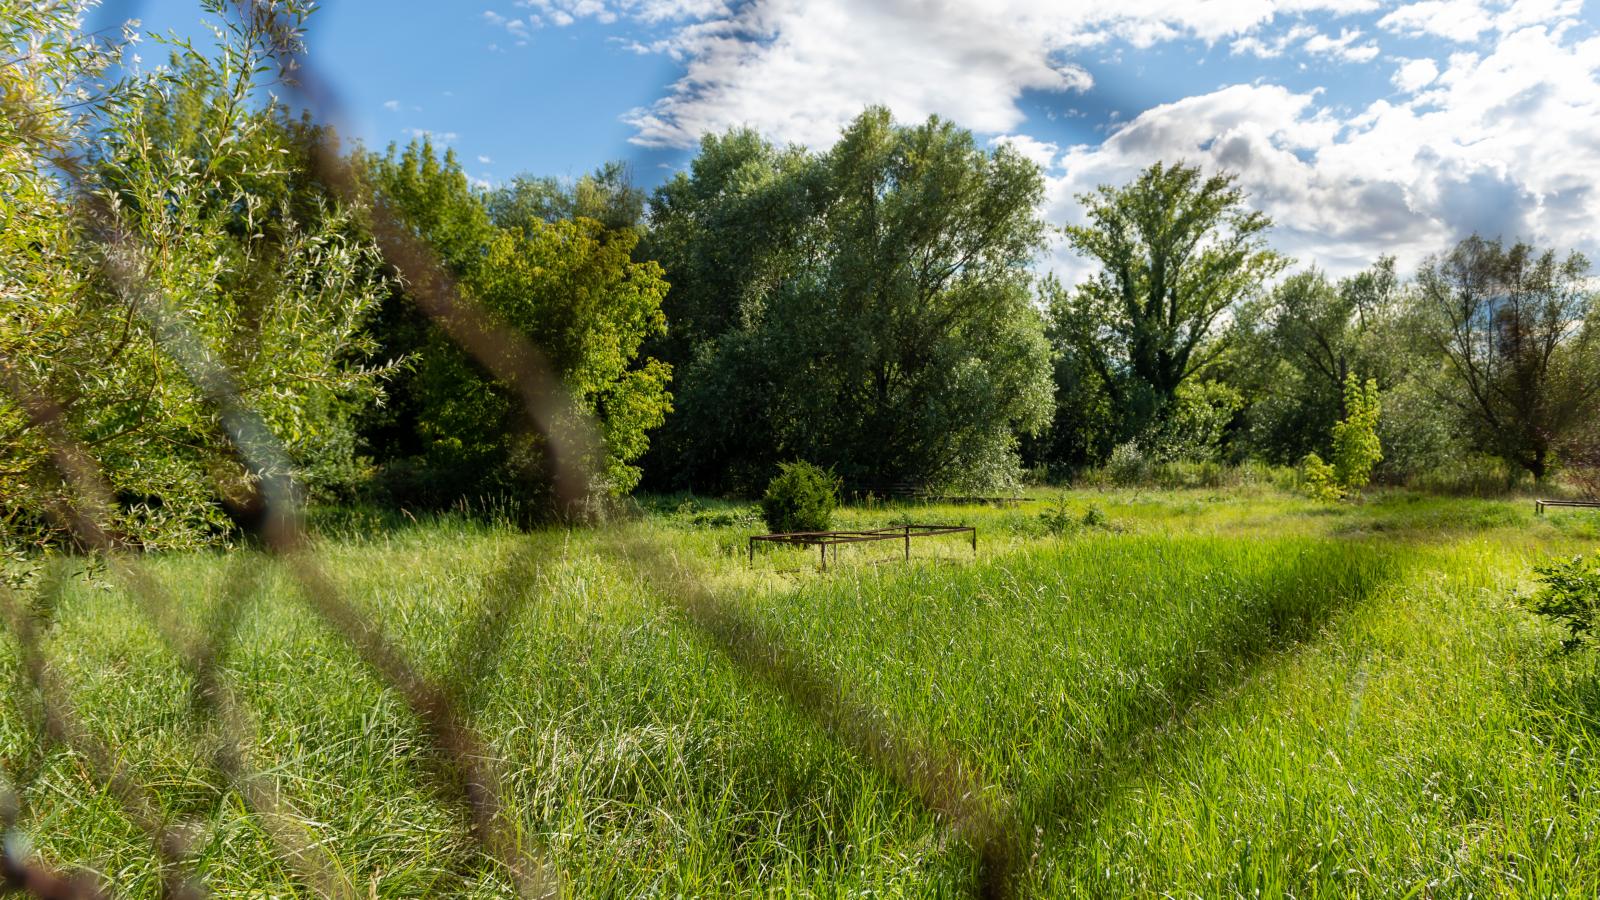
(824, 554)
(974, 542)
(908, 543)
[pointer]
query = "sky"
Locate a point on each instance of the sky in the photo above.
(1361, 127)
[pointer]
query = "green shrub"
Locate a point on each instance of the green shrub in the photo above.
(1356, 449)
(801, 498)
(1570, 596)
(1060, 518)
(1321, 480)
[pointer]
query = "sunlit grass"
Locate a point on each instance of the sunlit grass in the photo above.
(1213, 692)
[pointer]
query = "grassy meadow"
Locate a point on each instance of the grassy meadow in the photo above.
(1189, 693)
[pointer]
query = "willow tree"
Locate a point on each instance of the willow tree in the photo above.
(187, 241)
(1519, 330)
(1176, 250)
(884, 326)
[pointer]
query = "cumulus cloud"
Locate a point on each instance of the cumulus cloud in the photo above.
(517, 27)
(1464, 21)
(798, 69)
(1042, 153)
(1415, 74)
(392, 105)
(1494, 134)
(1342, 47)
(1501, 145)
(1265, 48)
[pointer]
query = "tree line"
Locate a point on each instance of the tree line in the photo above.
(874, 308)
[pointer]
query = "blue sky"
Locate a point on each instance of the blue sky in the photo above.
(1362, 126)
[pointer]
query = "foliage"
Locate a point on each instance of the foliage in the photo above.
(1194, 428)
(607, 196)
(569, 285)
(1293, 349)
(1084, 425)
(1356, 448)
(190, 244)
(1321, 480)
(1519, 331)
(878, 320)
(1062, 518)
(1580, 457)
(1176, 250)
(1420, 436)
(801, 497)
(1570, 596)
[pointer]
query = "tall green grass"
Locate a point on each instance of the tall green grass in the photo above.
(1222, 695)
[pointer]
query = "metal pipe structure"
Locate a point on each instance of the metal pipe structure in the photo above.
(822, 540)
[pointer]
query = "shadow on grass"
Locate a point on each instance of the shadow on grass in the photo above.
(1292, 607)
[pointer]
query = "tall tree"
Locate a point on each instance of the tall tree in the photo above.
(191, 240)
(1519, 330)
(729, 231)
(1175, 250)
(607, 196)
(886, 329)
(1296, 346)
(570, 285)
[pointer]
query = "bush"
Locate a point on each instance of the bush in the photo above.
(1570, 596)
(801, 498)
(1321, 481)
(1356, 448)
(1061, 519)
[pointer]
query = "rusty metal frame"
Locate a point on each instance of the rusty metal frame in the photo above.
(1540, 505)
(822, 540)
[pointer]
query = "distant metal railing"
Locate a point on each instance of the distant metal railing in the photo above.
(1540, 505)
(822, 540)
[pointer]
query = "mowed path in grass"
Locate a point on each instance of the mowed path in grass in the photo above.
(1221, 693)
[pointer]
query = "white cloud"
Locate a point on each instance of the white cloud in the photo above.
(443, 137)
(1415, 74)
(516, 27)
(1042, 153)
(1272, 49)
(799, 69)
(1499, 137)
(1502, 144)
(392, 105)
(1464, 21)
(484, 160)
(1342, 47)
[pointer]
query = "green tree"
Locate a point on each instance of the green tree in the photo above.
(569, 285)
(1356, 447)
(607, 196)
(1296, 346)
(191, 242)
(1176, 250)
(1519, 332)
(886, 328)
(729, 231)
